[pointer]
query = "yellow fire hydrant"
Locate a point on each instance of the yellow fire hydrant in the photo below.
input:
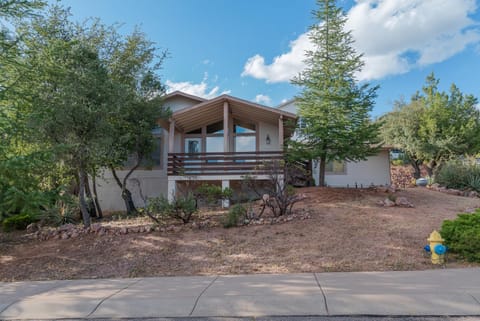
(437, 248)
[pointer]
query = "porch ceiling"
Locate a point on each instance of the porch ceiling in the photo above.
(212, 111)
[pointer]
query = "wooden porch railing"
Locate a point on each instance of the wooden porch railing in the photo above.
(233, 163)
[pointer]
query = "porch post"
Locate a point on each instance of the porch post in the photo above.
(280, 132)
(225, 128)
(225, 184)
(171, 189)
(171, 134)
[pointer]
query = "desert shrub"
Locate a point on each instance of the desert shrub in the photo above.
(459, 175)
(462, 235)
(65, 211)
(18, 222)
(235, 214)
(212, 194)
(276, 194)
(182, 207)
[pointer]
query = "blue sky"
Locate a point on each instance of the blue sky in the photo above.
(250, 49)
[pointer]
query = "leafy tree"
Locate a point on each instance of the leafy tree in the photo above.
(333, 105)
(24, 187)
(134, 63)
(70, 92)
(434, 126)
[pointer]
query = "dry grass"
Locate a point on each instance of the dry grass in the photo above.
(347, 232)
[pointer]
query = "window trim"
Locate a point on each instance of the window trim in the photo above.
(344, 172)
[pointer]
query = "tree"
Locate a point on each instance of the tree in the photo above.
(134, 63)
(24, 187)
(434, 126)
(333, 105)
(70, 92)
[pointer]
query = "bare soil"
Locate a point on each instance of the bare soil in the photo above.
(347, 231)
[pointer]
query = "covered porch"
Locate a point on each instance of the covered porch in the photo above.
(224, 139)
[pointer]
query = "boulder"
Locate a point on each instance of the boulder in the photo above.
(403, 202)
(388, 203)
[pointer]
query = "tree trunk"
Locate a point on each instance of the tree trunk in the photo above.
(416, 168)
(129, 205)
(431, 168)
(323, 161)
(90, 204)
(95, 196)
(81, 194)
(126, 194)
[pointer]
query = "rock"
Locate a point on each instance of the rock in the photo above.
(64, 236)
(391, 189)
(32, 227)
(453, 192)
(471, 194)
(435, 186)
(123, 230)
(94, 228)
(74, 235)
(388, 203)
(470, 210)
(403, 202)
(66, 227)
(101, 232)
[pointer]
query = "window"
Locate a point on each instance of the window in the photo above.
(216, 128)
(245, 137)
(301, 123)
(154, 160)
(336, 167)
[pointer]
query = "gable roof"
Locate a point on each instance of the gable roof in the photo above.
(212, 110)
(288, 102)
(178, 93)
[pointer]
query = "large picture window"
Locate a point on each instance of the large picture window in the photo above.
(336, 167)
(245, 137)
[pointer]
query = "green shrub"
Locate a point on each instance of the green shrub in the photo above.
(459, 175)
(182, 207)
(235, 214)
(462, 235)
(212, 194)
(397, 162)
(18, 222)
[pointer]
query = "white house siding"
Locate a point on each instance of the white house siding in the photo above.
(152, 183)
(375, 170)
(289, 106)
(178, 102)
(272, 131)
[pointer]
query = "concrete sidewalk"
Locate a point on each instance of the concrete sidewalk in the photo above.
(438, 292)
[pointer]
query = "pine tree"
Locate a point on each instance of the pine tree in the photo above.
(333, 105)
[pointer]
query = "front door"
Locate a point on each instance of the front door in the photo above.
(193, 146)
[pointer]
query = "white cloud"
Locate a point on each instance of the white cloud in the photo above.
(263, 99)
(200, 89)
(395, 37)
(284, 67)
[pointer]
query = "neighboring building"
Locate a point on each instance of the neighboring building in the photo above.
(221, 140)
(373, 171)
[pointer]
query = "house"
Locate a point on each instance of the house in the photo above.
(218, 141)
(221, 140)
